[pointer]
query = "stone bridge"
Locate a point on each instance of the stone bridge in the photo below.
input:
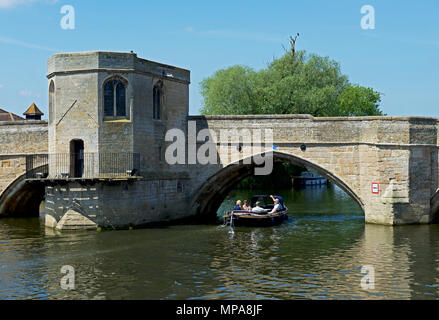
(398, 154)
(19, 139)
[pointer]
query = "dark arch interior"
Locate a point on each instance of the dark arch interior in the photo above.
(22, 199)
(216, 188)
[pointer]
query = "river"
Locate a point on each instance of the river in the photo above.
(317, 254)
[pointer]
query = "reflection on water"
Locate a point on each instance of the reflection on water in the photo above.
(317, 254)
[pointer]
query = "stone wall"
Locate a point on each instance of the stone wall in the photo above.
(123, 203)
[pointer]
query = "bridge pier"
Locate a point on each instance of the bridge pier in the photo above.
(116, 203)
(407, 179)
(397, 214)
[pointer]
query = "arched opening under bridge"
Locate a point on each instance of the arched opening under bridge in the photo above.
(209, 197)
(22, 198)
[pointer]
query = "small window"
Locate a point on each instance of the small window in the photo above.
(114, 99)
(159, 154)
(51, 101)
(157, 101)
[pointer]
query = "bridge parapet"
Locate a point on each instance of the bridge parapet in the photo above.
(19, 139)
(23, 137)
(371, 129)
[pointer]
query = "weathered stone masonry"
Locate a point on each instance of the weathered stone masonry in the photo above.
(398, 153)
(78, 114)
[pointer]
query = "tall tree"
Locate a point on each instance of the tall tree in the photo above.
(293, 84)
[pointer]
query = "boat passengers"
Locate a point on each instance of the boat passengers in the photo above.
(276, 207)
(245, 206)
(258, 208)
(238, 205)
(281, 202)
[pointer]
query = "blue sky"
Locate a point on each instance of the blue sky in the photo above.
(399, 58)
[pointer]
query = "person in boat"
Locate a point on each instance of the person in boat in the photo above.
(276, 207)
(245, 206)
(281, 202)
(238, 205)
(258, 208)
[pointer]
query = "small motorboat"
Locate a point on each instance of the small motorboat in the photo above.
(262, 218)
(309, 179)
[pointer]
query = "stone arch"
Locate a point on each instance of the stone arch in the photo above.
(22, 198)
(116, 77)
(214, 190)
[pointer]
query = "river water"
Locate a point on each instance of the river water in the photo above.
(317, 254)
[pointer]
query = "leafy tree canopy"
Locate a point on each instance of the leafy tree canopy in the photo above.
(292, 84)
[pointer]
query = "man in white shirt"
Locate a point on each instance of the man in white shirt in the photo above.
(258, 209)
(276, 206)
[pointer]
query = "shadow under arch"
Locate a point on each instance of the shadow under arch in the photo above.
(22, 198)
(215, 189)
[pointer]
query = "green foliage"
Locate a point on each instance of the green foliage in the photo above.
(229, 91)
(358, 101)
(292, 84)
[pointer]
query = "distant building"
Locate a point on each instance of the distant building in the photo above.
(9, 116)
(33, 113)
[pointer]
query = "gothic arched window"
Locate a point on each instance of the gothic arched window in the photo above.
(51, 101)
(157, 101)
(114, 98)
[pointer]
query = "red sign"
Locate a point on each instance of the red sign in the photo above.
(375, 188)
